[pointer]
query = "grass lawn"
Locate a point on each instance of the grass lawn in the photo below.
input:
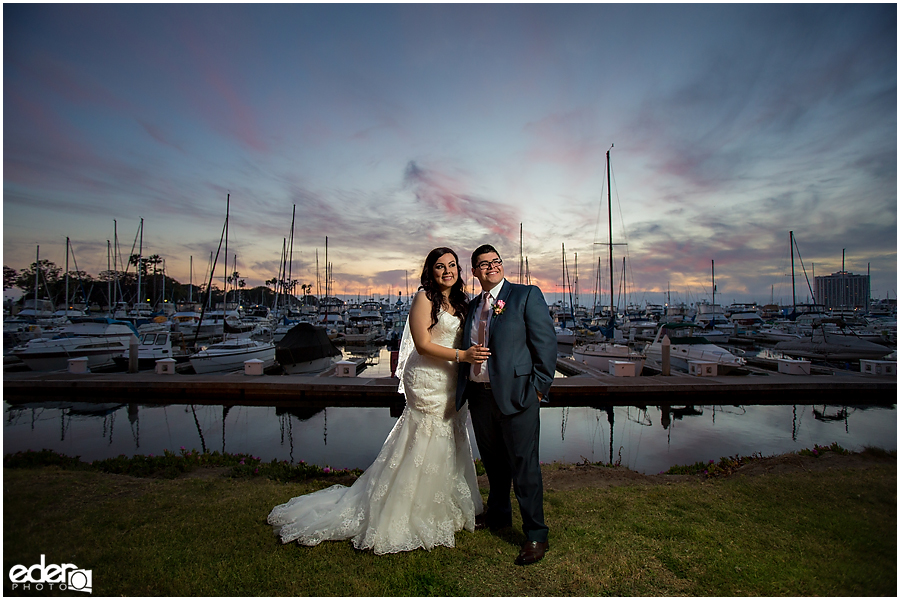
(829, 532)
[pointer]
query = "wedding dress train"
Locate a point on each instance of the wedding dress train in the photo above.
(422, 487)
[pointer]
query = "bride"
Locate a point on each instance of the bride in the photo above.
(422, 488)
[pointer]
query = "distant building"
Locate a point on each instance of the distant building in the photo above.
(842, 290)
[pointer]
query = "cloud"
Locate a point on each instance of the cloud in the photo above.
(221, 100)
(444, 193)
(157, 134)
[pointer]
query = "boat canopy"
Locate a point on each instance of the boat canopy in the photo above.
(105, 321)
(304, 342)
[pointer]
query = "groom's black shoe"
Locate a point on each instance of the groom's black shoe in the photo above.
(532, 552)
(481, 522)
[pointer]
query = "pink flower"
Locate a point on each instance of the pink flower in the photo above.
(326, 470)
(499, 307)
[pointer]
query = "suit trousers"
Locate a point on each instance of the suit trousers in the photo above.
(509, 445)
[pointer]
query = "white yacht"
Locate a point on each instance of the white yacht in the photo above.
(100, 339)
(231, 354)
(598, 355)
(156, 346)
(684, 347)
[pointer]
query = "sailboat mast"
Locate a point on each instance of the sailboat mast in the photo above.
(108, 282)
(291, 255)
(575, 288)
(793, 289)
(225, 270)
(714, 293)
(521, 253)
(212, 269)
(37, 269)
(612, 309)
(326, 281)
(115, 296)
(67, 277)
(191, 288)
(140, 260)
(564, 278)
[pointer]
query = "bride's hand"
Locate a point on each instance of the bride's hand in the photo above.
(476, 354)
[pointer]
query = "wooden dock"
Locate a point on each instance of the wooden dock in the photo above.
(588, 388)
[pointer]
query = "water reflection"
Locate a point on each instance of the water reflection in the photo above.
(647, 439)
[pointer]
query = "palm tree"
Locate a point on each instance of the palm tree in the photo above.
(232, 280)
(155, 260)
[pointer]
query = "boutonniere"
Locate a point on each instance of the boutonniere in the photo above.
(499, 307)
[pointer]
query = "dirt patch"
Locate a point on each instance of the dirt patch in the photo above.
(205, 473)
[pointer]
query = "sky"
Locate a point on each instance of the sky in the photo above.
(394, 129)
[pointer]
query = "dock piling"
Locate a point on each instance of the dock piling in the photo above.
(133, 356)
(666, 355)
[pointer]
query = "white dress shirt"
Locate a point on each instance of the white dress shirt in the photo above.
(476, 323)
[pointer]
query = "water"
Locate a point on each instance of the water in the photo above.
(648, 439)
(351, 437)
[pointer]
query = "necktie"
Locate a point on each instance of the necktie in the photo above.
(482, 326)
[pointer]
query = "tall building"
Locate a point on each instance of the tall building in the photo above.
(842, 290)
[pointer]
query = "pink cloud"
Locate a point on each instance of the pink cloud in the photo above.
(154, 132)
(221, 104)
(568, 139)
(442, 192)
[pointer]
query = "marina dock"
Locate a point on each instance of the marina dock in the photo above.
(587, 388)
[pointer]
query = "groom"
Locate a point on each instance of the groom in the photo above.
(504, 395)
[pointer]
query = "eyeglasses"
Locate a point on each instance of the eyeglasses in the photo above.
(485, 265)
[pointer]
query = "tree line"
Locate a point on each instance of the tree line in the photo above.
(155, 286)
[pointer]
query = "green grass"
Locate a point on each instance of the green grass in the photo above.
(825, 533)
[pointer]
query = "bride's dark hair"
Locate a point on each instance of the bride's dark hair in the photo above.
(458, 299)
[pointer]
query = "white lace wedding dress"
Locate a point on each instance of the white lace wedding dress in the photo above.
(422, 487)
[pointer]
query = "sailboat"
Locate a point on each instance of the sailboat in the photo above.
(599, 354)
(231, 353)
(565, 320)
(712, 318)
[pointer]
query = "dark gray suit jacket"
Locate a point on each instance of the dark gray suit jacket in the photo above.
(522, 341)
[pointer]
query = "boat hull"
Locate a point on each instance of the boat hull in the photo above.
(310, 366)
(599, 356)
(215, 361)
(56, 360)
(99, 340)
(681, 355)
(835, 347)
